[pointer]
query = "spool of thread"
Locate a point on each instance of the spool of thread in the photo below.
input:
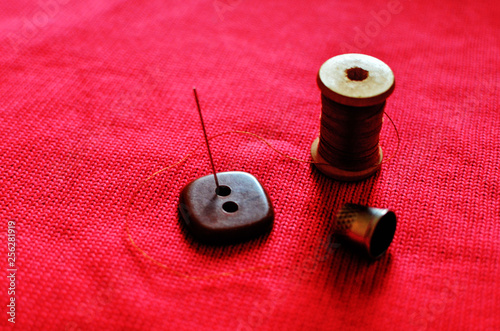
(354, 88)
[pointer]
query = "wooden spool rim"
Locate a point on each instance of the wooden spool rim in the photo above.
(334, 83)
(340, 174)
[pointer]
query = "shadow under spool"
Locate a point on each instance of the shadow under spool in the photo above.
(354, 88)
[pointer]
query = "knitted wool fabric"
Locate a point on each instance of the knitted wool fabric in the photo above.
(95, 96)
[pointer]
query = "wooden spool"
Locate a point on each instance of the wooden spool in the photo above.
(354, 80)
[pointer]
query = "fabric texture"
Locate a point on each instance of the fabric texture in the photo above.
(95, 96)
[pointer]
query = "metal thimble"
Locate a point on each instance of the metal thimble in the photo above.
(371, 229)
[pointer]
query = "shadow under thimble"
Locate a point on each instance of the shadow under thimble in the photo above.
(367, 228)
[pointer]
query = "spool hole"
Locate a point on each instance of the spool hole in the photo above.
(356, 73)
(223, 190)
(383, 234)
(230, 207)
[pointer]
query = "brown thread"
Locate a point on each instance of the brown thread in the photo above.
(349, 136)
(222, 274)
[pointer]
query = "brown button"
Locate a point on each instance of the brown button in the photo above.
(240, 210)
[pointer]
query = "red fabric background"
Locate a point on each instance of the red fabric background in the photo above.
(96, 95)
